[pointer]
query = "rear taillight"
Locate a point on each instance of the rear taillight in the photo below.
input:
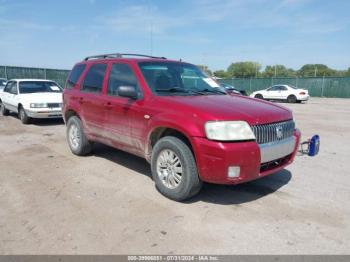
(302, 93)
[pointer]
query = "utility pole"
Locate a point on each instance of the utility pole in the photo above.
(275, 71)
(315, 71)
(151, 27)
(322, 90)
(151, 37)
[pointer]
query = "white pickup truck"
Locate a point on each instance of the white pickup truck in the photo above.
(31, 98)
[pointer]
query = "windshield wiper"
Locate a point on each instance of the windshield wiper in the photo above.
(173, 90)
(214, 91)
(179, 90)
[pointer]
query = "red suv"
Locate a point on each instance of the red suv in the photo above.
(178, 119)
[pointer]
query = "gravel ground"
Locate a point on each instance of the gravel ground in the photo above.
(52, 202)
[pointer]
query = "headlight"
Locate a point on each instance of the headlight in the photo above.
(38, 105)
(228, 130)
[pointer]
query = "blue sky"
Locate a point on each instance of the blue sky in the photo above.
(57, 34)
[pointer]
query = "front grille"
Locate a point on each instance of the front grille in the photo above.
(53, 105)
(273, 132)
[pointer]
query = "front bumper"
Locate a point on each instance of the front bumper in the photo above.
(255, 161)
(44, 113)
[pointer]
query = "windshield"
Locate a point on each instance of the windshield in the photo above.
(169, 78)
(27, 87)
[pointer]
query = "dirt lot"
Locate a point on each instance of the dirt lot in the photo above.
(52, 202)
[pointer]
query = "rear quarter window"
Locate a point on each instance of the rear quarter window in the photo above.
(74, 76)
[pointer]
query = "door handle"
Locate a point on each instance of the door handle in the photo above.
(81, 100)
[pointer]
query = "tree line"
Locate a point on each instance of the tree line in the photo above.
(250, 69)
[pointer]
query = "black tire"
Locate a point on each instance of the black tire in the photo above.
(292, 99)
(299, 101)
(25, 119)
(190, 184)
(83, 145)
(4, 111)
(259, 96)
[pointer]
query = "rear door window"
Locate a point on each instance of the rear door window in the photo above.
(75, 75)
(274, 88)
(94, 78)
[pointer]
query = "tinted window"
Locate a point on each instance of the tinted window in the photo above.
(121, 75)
(74, 76)
(283, 88)
(27, 87)
(94, 78)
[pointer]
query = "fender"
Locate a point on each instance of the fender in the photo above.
(190, 127)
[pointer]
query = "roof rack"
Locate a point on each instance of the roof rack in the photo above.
(119, 55)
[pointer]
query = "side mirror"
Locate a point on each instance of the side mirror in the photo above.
(127, 91)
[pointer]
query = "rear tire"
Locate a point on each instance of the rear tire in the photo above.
(4, 111)
(77, 141)
(174, 169)
(259, 96)
(25, 119)
(291, 99)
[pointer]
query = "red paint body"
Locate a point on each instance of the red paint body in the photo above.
(121, 123)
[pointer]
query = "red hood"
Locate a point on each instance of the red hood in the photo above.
(226, 107)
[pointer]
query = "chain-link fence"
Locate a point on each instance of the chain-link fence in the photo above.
(57, 75)
(317, 86)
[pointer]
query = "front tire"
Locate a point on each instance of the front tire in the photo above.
(25, 119)
(77, 141)
(174, 169)
(4, 111)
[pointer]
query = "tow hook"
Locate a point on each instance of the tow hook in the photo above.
(311, 147)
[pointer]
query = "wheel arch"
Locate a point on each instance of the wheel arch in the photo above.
(69, 113)
(161, 131)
